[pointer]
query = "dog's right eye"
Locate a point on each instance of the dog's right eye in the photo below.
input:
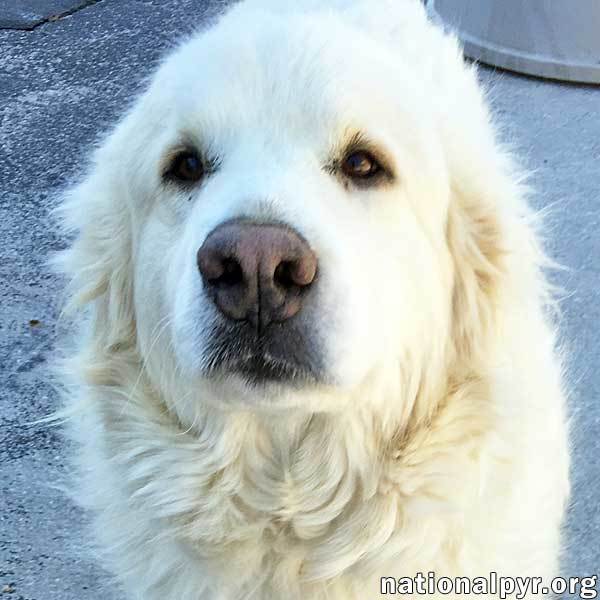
(186, 167)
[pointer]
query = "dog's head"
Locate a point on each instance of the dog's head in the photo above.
(299, 202)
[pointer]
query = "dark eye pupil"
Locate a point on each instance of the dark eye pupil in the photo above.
(187, 167)
(191, 164)
(360, 164)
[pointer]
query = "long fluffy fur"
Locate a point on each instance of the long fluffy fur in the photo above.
(459, 467)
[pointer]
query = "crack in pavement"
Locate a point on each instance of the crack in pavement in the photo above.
(51, 18)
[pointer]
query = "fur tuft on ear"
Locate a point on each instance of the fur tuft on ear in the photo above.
(498, 262)
(98, 263)
(475, 240)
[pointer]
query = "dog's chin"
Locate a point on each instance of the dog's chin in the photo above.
(263, 382)
(267, 391)
(283, 359)
(262, 370)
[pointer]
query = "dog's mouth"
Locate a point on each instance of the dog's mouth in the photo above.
(281, 355)
(259, 369)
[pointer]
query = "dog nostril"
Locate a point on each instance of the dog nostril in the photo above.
(232, 273)
(283, 274)
(218, 269)
(295, 273)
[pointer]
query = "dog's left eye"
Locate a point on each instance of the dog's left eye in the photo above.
(361, 165)
(186, 167)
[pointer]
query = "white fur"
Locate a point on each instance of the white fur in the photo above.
(439, 443)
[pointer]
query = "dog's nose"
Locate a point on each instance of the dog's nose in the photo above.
(255, 272)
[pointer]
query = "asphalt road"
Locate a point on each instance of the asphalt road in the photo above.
(64, 81)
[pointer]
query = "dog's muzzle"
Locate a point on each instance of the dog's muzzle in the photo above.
(259, 276)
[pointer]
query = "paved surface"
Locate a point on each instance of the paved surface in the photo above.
(61, 84)
(29, 14)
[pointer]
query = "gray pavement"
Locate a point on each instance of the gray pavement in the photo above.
(63, 82)
(29, 14)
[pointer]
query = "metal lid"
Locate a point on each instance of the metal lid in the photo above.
(557, 39)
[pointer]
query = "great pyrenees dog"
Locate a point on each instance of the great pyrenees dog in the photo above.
(320, 347)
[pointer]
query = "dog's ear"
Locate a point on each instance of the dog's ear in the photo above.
(492, 239)
(475, 240)
(98, 263)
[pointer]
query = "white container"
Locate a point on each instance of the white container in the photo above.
(558, 39)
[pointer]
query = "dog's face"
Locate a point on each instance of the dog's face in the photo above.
(287, 197)
(290, 209)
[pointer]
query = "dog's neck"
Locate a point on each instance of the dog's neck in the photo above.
(287, 484)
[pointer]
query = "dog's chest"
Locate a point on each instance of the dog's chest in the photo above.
(288, 494)
(299, 509)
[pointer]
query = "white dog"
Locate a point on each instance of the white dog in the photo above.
(319, 350)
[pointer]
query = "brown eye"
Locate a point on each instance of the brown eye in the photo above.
(360, 165)
(186, 167)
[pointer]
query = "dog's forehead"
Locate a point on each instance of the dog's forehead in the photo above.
(296, 73)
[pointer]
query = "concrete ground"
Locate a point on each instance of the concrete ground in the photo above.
(65, 80)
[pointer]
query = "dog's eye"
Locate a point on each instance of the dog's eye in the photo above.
(361, 165)
(186, 167)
